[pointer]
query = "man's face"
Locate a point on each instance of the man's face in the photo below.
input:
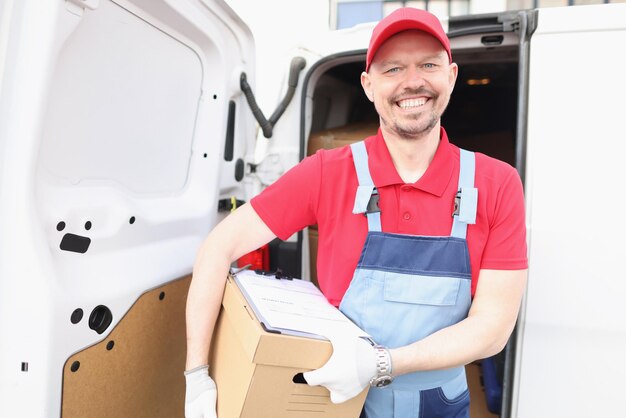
(409, 81)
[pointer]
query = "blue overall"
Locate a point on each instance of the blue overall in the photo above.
(407, 287)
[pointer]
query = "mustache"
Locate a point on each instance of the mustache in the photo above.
(408, 92)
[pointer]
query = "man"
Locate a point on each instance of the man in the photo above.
(421, 244)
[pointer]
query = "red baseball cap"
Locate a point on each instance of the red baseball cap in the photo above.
(403, 19)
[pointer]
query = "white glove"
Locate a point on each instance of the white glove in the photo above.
(349, 369)
(201, 394)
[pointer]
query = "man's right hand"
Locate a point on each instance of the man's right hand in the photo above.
(201, 394)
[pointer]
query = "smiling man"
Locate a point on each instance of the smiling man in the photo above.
(410, 88)
(413, 86)
(421, 244)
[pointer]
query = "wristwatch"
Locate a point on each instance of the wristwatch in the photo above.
(383, 375)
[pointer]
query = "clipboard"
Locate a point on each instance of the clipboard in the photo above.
(291, 306)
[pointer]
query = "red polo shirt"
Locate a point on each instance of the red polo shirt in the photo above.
(321, 190)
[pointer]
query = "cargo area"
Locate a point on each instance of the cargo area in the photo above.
(481, 117)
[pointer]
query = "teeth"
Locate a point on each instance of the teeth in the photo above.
(406, 104)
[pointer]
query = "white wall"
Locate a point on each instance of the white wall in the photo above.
(486, 6)
(277, 26)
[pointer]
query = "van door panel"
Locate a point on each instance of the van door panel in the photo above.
(574, 333)
(112, 133)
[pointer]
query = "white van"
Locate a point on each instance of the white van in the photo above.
(125, 136)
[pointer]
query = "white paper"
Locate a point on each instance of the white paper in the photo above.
(293, 306)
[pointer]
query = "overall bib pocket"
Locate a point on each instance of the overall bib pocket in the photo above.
(422, 290)
(421, 305)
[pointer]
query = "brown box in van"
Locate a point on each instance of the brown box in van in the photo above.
(343, 135)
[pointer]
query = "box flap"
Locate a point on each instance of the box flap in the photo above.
(262, 347)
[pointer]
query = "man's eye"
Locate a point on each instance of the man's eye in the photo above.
(393, 70)
(429, 65)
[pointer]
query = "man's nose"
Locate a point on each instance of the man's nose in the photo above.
(414, 78)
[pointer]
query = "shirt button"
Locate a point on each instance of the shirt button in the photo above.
(406, 216)
(406, 188)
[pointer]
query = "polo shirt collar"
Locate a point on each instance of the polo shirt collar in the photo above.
(435, 179)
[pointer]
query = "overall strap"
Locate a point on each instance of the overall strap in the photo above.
(366, 200)
(466, 200)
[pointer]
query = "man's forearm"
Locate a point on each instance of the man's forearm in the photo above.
(240, 232)
(203, 304)
(482, 334)
(453, 346)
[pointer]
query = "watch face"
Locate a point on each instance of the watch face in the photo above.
(381, 381)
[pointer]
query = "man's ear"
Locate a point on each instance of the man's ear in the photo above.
(366, 83)
(454, 72)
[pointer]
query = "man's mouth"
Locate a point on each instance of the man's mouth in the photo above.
(412, 103)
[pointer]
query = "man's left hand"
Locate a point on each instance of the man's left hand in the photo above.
(348, 371)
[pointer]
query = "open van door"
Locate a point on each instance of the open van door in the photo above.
(573, 332)
(122, 129)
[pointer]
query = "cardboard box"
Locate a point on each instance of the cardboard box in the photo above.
(255, 370)
(343, 135)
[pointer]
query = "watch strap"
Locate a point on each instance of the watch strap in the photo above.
(383, 375)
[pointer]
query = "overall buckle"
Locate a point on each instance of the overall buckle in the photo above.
(457, 204)
(372, 204)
